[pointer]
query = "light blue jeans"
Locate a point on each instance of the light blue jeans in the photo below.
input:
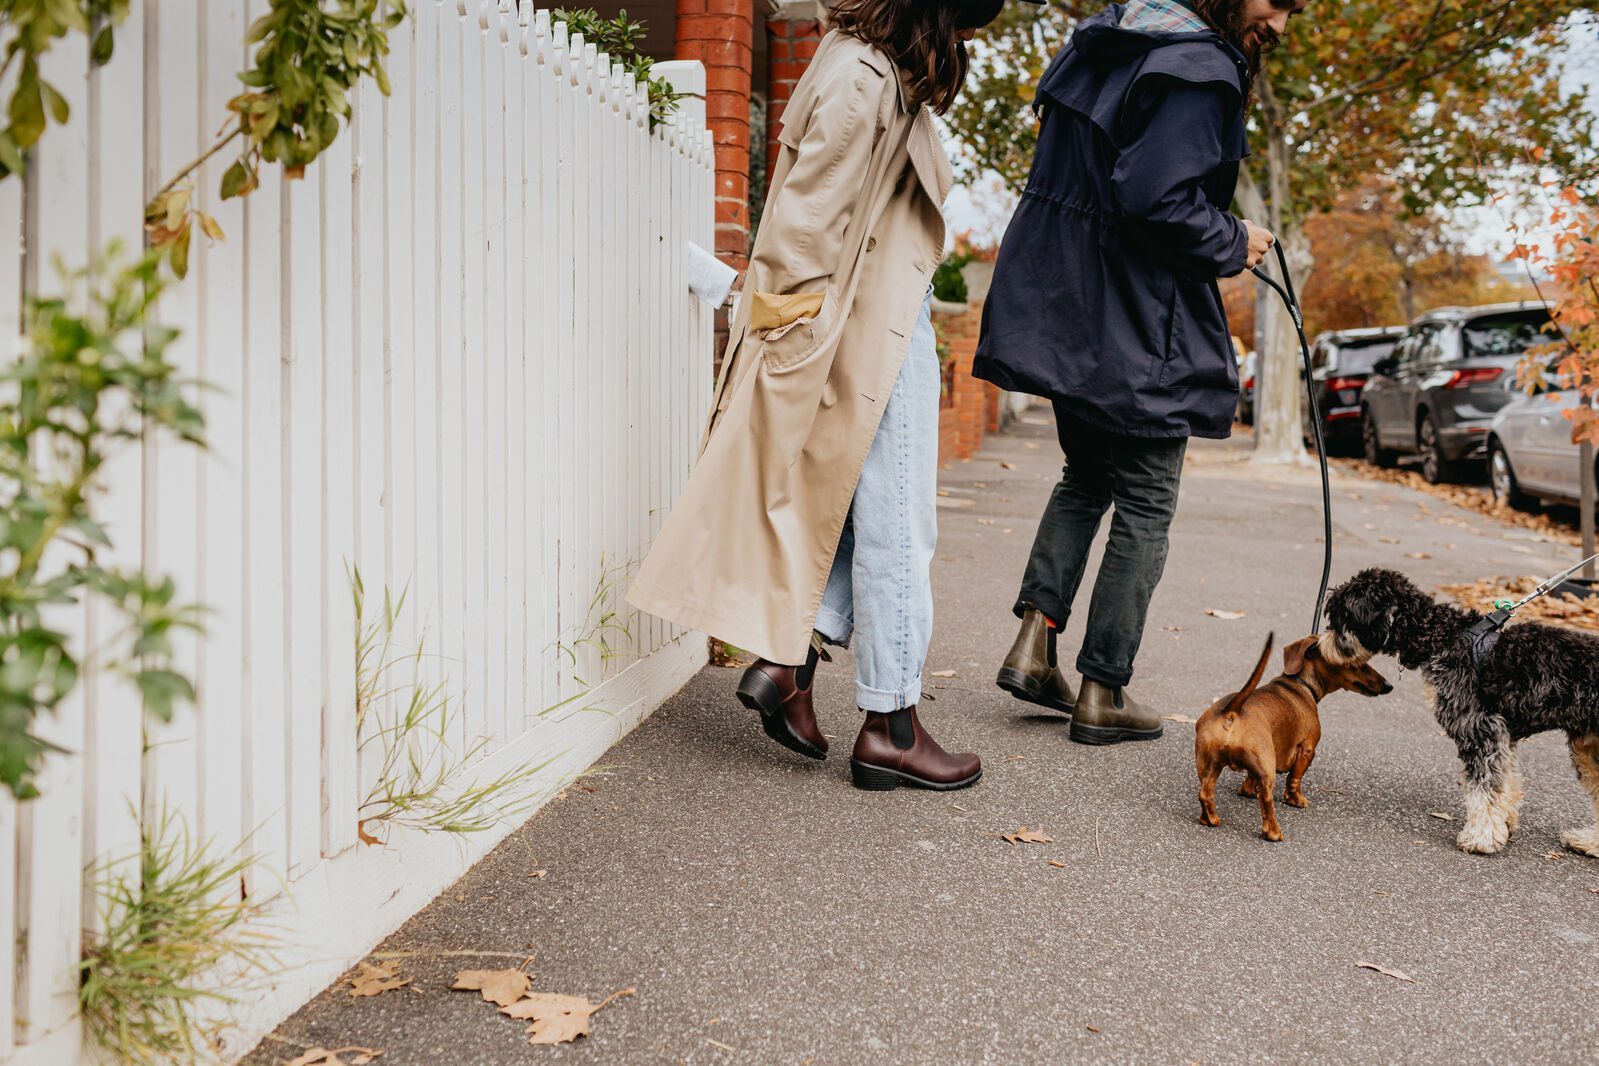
(881, 582)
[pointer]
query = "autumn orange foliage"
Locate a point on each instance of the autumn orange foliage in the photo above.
(1569, 258)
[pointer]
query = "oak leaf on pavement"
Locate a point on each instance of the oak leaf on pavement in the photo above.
(557, 1019)
(374, 980)
(344, 1056)
(500, 987)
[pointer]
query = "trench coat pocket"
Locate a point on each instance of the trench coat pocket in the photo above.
(774, 311)
(788, 344)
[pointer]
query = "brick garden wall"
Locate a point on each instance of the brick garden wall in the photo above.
(971, 407)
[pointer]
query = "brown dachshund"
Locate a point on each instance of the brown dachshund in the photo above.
(1273, 729)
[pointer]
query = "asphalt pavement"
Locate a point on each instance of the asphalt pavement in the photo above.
(766, 912)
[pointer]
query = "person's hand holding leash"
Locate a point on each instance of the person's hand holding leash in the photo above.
(1260, 241)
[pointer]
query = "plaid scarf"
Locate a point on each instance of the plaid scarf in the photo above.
(1161, 16)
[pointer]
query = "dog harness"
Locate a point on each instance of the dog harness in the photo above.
(1484, 636)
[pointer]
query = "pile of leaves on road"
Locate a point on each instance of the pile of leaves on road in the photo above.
(1574, 612)
(1469, 497)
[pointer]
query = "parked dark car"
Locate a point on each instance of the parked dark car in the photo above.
(1340, 364)
(1437, 394)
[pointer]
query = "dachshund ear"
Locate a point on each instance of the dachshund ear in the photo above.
(1294, 655)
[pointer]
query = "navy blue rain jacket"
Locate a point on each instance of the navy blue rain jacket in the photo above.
(1104, 297)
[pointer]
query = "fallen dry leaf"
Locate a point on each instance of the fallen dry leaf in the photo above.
(1057, 864)
(1440, 815)
(374, 980)
(943, 673)
(1555, 856)
(1091, 1029)
(558, 1019)
(1007, 466)
(1225, 616)
(1183, 718)
(1388, 540)
(500, 987)
(1027, 836)
(1417, 555)
(1397, 975)
(357, 1056)
(539, 873)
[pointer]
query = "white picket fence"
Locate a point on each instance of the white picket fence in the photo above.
(461, 355)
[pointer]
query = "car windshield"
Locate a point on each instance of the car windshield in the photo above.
(1508, 334)
(1357, 357)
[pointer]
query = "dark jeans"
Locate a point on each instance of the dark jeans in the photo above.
(1140, 477)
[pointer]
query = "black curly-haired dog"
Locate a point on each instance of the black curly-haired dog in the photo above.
(1536, 678)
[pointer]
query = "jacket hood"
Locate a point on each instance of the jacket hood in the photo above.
(1102, 41)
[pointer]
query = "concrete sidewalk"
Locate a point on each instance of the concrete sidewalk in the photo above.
(767, 912)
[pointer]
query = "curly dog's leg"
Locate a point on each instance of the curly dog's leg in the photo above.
(1585, 757)
(1507, 801)
(1486, 757)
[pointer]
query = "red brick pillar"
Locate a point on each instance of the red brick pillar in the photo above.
(790, 43)
(720, 34)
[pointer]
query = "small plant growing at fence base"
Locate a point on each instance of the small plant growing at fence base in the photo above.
(406, 721)
(603, 629)
(622, 40)
(169, 922)
(91, 377)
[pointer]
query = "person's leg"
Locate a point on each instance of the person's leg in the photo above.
(895, 522)
(1070, 521)
(1145, 477)
(1055, 569)
(836, 619)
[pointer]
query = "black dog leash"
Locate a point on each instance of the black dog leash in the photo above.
(1291, 301)
(1486, 633)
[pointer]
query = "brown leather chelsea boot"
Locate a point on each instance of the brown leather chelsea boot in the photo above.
(1030, 672)
(782, 696)
(1108, 715)
(894, 750)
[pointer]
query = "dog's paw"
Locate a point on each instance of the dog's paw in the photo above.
(1272, 834)
(1485, 836)
(1296, 799)
(1582, 841)
(1248, 789)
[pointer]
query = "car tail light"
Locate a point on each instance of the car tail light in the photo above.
(1481, 375)
(1343, 384)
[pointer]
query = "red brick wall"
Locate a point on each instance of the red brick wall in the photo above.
(790, 44)
(720, 34)
(973, 406)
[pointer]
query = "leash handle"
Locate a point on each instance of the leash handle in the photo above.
(1290, 300)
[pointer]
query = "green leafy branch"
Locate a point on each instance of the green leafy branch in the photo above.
(623, 39)
(310, 56)
(92, 374)
(29, 28)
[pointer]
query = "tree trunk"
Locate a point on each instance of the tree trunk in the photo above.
(1279, 431)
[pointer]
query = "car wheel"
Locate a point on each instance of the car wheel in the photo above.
(1502, 480)
(1376, 454)
(1434, 467)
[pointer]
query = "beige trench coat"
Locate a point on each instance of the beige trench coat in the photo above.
(855, 214)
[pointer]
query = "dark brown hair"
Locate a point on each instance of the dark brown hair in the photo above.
(1226, 17)
(922, 37)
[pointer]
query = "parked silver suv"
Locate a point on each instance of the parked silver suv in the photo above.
(1437, 394)
(1531, 457)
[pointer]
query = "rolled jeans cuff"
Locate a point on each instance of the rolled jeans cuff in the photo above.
(879, 701)
(834, 627)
